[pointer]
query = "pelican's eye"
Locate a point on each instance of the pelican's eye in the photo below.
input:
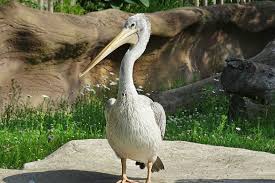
(133, 25)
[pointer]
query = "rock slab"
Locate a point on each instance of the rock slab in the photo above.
(93, 161)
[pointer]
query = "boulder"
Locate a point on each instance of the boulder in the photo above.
(44, 52)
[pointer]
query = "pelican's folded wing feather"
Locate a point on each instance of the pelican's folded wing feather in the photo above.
(159, 116)
(108, 106)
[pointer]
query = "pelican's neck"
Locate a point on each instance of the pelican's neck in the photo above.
(126, 82)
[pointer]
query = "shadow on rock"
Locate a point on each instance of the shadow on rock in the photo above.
(225, 181)
(62, 176)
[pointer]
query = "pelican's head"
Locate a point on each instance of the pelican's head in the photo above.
(136, 32)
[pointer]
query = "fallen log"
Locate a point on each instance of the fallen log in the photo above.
(249, 79)
(187, 96)
(251, 84)
(266, 56)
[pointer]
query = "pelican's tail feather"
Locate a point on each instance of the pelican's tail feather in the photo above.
(158, 165)
(141, 165)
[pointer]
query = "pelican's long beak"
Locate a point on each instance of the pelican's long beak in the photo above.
(125, 36)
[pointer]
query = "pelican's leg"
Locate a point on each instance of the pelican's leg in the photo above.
(124, 177)
(149, 173)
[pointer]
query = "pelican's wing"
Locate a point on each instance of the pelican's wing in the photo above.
(108, 106)
(159, 116)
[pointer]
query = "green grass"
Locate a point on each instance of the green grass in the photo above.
(28, 134)
(208, 124)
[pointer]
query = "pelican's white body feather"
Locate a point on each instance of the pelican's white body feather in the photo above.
(135, 124)
(132, 130)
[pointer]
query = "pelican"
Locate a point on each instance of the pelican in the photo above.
(135, 124)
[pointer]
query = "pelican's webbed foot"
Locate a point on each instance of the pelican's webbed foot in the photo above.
(124, 177)
(126, 180)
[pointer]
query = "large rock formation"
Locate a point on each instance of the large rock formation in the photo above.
(45, 52)
(93, 161)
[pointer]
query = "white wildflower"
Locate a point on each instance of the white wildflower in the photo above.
(87, 87)
(139, 89)
(45, 96)
(215, 79)
(213, 92)
(111, 73)
(113, 83)
(91, 90)
(31, 181)
(97, 85)
(238, 129)
(105, 87)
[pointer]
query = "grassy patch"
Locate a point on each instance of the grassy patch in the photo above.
(28, 134)
(208, 124)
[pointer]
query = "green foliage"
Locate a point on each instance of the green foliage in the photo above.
(134, 6)
(95, 5)
(66, 7)
(2, 2)
(30, 3)
(156, 5)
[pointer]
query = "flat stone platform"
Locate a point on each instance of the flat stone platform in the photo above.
(93, 161)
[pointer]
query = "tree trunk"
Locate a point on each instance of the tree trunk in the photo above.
(50, 6)
(252, 83)
(205, 3)
(245, 108)
(73, 2)
(197, 3)
(41, 4)
(214, 2)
